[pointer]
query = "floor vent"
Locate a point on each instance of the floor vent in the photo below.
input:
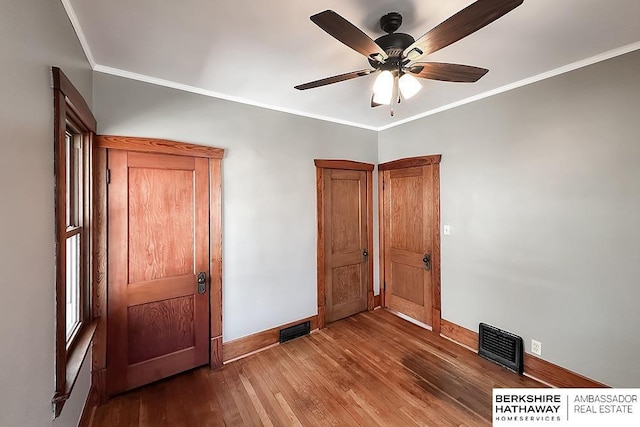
(501, 347)
(287, 334)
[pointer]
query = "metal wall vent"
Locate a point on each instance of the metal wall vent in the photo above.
(501, 347)
(287, 334)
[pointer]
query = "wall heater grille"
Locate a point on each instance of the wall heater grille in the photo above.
(501, 347)
(287, 334)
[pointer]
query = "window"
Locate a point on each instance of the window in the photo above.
(75, 246)
(74, 126)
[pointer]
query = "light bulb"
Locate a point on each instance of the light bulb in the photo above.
(383, 88)
(409, 85)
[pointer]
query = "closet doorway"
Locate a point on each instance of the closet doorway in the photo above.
(345, 224)
(409, 200)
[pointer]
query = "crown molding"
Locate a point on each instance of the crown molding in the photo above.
(213, 94)
(543, 76)
(75, 22)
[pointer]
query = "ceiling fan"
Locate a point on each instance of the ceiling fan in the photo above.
(393, 55)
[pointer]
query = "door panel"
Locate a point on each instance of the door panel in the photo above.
(158, 217)
(154, 332)
(158, 197)
(404, 278)
(409, 211)
(346, 269)
(406, 204)
(342, 280)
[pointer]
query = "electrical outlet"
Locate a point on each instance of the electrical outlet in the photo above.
(536, 347)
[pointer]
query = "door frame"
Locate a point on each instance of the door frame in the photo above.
(321, 166)
(411, 162)
(100, 250)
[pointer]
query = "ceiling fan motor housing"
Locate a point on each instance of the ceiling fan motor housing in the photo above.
(393, 44)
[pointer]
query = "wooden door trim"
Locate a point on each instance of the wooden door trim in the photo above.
(99, 286)
(321, 165)
(215, 254)
(370, 297)
(435, 256)
(381, 283)
(158, 146)
(343, 164)
(410, 162)
(320, 264)
(116, 307)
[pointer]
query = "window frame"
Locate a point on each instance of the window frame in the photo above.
(71, 113)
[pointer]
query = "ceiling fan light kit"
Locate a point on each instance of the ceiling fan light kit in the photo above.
(385, 82)
(394, 55)
(409, 85)
(383, 88)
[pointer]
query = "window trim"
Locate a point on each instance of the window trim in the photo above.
(70, 107)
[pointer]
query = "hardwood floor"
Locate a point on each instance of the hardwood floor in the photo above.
(372, 369)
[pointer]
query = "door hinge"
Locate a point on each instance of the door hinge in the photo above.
(384, 285)
(383, 184)
(108, 176)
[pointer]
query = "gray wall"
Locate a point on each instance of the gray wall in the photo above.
(541, 188)
(269, 198)
(34, 35)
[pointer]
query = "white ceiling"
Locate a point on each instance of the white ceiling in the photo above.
(257, 51)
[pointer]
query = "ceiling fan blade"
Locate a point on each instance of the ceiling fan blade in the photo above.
(447, 72)
(347, 33)
(460, 25)
(334, 79)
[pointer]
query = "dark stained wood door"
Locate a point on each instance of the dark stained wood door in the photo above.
(346, 252)
(158, 237)
(411, 242)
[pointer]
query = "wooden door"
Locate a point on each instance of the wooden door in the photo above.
(158, 237)
(344, 217)
(411, 239)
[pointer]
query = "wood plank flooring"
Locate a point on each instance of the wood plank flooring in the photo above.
(372, 369)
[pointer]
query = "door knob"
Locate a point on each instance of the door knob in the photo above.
(365, 254)
(202, 282)
(427, 261)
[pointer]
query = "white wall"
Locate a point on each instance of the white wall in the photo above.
(34, 35)
(269, 196)
(541, 188)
